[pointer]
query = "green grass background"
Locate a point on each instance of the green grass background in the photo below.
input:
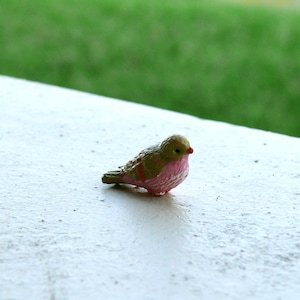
(216, 60)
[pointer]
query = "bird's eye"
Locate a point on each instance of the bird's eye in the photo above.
(177, 150)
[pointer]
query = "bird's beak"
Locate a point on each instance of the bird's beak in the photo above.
(190, 150)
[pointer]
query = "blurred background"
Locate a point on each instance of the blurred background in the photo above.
(233, 61)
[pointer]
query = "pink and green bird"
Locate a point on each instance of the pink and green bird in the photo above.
(158, 169)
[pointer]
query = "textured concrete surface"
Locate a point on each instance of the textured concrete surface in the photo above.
(230, 231)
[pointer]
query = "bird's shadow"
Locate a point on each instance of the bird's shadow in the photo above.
(139, 194)
(137, 199)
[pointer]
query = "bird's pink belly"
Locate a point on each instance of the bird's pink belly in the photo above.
(171, 176)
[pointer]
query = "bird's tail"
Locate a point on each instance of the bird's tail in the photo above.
(112, 177)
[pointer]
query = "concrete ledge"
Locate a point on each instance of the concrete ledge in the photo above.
(230, 231)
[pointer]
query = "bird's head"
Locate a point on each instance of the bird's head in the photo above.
(175, 147)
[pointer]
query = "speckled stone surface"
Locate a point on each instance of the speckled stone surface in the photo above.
(231, 230)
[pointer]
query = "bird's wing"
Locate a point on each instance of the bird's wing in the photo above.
(148, 164)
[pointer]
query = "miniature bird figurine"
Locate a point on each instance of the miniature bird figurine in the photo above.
(158, 169)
